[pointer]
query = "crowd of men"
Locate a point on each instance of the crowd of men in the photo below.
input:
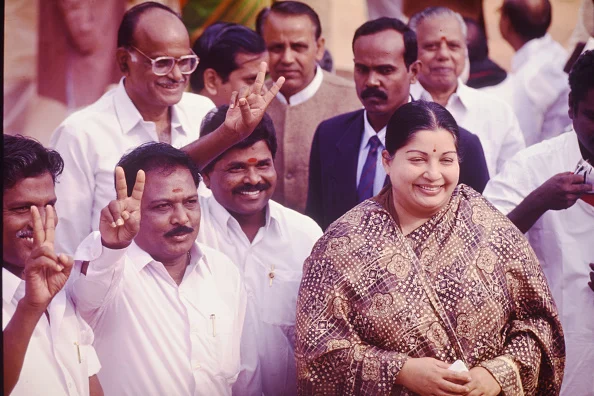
(185, 218)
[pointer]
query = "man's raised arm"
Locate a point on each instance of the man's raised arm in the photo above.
(246, 109)
(559, 192)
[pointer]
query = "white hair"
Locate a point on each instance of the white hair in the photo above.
(433, 12)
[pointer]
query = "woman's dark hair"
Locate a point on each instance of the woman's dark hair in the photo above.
(418, 116)
(156, 156)
(25, 157)
(264, 131)
(131, 18)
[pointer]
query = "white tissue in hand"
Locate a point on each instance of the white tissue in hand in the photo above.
(458, 366)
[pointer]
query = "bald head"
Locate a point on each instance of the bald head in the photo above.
(529, 19)
(158, 27)
(149, 19)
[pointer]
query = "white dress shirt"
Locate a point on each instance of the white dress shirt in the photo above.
(306, 93)
(92, 141)
(157, 338)
(279, 248)
(562, 241)
(380, 173)
(52, 365)
(488, 117)
(537, 88)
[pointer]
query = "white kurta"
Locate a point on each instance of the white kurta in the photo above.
(537, 88)
(564, 243)
(153, 336)
(52, 365)
(488, 117)
(92, 141)
(280, 247)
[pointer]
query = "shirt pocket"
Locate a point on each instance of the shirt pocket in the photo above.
(224, 343)
(279, 298)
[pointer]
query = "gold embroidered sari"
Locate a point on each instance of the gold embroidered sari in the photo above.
(465, 285)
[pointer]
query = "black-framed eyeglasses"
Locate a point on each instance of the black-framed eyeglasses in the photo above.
(164, 64)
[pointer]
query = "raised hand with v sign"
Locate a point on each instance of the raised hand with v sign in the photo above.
(45, 272)
(246, 110)
(247, 107)
(120, 219)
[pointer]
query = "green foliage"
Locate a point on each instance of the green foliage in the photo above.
(196, 12)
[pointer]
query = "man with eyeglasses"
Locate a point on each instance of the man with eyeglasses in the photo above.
(149, 104)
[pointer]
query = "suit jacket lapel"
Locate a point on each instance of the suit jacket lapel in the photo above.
(345, 162)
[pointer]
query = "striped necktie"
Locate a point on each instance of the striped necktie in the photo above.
(365, 188)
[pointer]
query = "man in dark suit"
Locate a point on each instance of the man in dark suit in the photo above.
(345, 161)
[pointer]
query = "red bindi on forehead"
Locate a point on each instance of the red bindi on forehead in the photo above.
(251, 160)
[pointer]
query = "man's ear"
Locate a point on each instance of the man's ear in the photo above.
(123, 59)
(321, 43)
(413, 71)
(504, 25)
(212, 81)
(386, 161)
(205, 178)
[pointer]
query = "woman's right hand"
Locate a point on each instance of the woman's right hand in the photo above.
(428, 376)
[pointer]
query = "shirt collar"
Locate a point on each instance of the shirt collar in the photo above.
(224, 218)
(10, 284)
(461, 95)
(141, 258)
(306, 93)
(529, 50)
(129, 116)
(369, 132)
(273, 218)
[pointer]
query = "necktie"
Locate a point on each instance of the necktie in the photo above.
(365, 188)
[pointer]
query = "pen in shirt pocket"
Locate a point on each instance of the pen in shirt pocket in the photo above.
(212, 319)
(78, 351)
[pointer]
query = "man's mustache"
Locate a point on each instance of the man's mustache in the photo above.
(180, 230)
(373, 92)
(251, 188)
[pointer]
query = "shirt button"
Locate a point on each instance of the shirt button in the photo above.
(196, 365)
(194, 329)
(289, 175)
(70, 385)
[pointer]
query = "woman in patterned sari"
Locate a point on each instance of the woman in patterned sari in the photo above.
(422, 275)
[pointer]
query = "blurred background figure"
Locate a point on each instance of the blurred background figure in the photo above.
(537, 89)
(385, 8)
(483, 71)
(77, 39)
(327, 63)
(582, 38)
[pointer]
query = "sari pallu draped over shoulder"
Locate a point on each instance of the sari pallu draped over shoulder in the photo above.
(465, 285)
